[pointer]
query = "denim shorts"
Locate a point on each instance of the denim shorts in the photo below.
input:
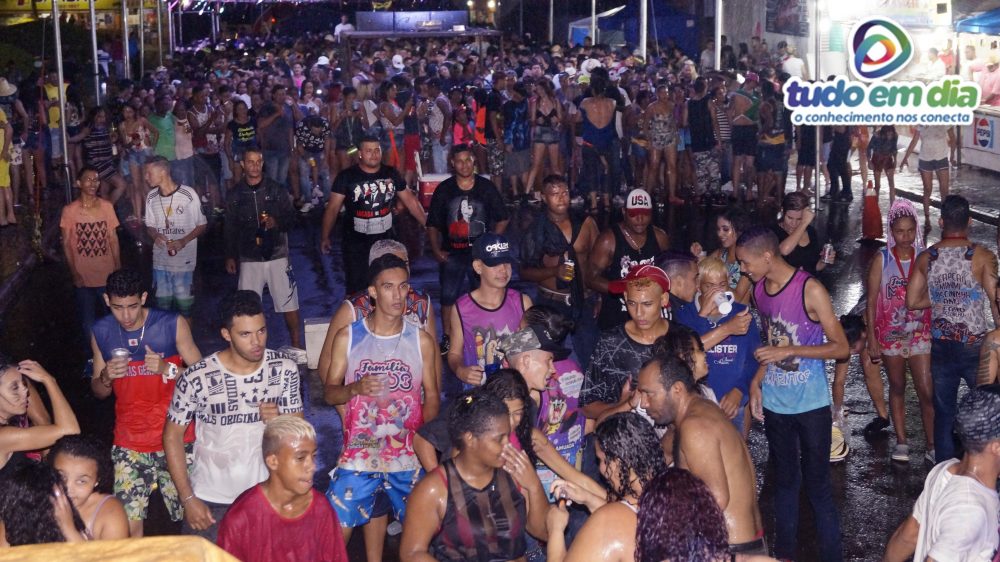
(138, 157)
(932, 165)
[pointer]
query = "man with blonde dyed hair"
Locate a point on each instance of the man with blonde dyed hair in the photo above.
(731, 364)
(284, 518)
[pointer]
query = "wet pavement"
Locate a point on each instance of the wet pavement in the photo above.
(874, 495)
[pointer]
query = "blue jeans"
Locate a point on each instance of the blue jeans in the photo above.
(439, 154)
(951, 362)
(800, 450)
(457, 277)
(182, 171)
(276, 165)
(88, 299)
(322, 174)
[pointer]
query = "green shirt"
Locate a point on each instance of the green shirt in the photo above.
(165, 142)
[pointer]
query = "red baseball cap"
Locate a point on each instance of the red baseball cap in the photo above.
(643, 271)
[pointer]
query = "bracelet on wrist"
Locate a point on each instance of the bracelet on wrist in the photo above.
(185, 500)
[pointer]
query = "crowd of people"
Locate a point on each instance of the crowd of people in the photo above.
(605, 415)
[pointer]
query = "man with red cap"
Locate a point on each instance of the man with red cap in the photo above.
(634, 241)
(610, 383)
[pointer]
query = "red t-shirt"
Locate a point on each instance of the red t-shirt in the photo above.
(254, 532)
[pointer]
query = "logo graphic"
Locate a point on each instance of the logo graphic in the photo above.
(984, 132)
(879, 48)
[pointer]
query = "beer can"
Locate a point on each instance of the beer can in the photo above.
(827, 254)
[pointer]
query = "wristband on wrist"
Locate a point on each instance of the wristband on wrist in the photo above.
(185, 500)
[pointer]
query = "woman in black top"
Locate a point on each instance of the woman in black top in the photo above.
(468, 508)
(799, 242)
(25, 425)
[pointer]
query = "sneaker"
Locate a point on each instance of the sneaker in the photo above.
(306, 208)
(876, 426)
(846, 197)
(901, 453)
(838, 445)
(929, 456)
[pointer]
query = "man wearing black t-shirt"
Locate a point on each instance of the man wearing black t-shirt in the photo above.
(464, 207)
(369, 190)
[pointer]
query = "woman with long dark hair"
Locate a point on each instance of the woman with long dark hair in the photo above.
(24, 425)
(99, 153)
(629, 456)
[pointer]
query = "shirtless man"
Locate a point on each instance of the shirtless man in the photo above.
(708, 445)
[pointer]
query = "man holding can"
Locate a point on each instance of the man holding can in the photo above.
(382, 382)
(258, 218)
(556, 256)
(138, 352)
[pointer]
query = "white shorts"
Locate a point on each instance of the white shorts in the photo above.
(277, 275)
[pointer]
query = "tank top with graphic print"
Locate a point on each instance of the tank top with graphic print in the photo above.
(893, 321)
(958, 301)
(379, 430)
(483, 327)
(797, 384)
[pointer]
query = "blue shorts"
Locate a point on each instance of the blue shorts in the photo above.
(174, 285)
(353, 493)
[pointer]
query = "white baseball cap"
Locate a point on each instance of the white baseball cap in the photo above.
(397, 62)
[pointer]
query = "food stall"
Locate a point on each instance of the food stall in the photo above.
(980, 146)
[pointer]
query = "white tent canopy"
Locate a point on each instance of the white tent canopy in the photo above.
(581, 29)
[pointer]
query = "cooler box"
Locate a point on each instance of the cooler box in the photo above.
(427, 184)
(315, 336)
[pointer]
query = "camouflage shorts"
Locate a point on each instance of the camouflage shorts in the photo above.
(706, 171)
(138, 474)
(495, 156)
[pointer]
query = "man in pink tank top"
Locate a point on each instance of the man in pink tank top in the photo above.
(481, 317)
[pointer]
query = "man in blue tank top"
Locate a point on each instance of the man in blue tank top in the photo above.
(158, 343)
(790, 395)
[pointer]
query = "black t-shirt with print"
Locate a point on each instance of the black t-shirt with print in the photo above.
(368, 199)
(463, 216)
(616, 358)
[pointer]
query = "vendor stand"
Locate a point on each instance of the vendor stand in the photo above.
(979, 144)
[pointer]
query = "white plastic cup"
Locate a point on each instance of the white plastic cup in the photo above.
(724, 302)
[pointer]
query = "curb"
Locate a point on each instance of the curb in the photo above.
(981, 214)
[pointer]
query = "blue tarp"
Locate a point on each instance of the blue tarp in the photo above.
(986, 22)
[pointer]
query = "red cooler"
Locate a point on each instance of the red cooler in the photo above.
(427, 184)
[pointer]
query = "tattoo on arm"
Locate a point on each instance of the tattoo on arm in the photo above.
(986, 374)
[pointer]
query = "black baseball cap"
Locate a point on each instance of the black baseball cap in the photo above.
(492, 250)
